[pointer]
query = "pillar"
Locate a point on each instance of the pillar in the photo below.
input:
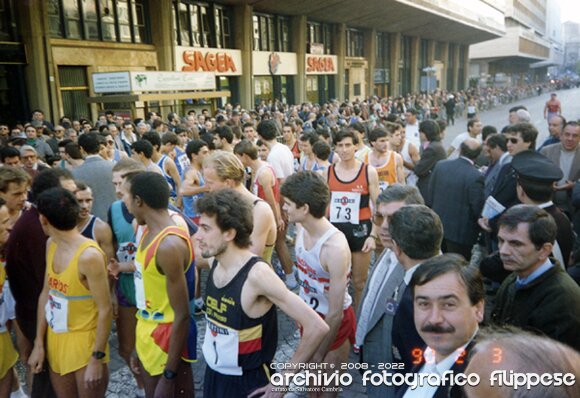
(340, 51)
(298, 27)
(456, 68)
(396, 60)
(243, 40)
(445, 60)
(415, 71)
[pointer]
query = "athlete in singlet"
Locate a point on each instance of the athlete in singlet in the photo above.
(241, 298)
(165, 339)
(289, 135)
(74, 309)
(308, 160)
(8, 354)
(89, 225)
(193, 186)
(353, 187)
(408, 151)
(553, 107)
(166, 165)
(389, 164)
(224, 170)
(323, 262)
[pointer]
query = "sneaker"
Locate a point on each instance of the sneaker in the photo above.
(291, 282)
(199, 307)
(356, 349)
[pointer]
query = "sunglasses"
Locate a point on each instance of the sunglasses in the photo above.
(378, 219)
(513, 140)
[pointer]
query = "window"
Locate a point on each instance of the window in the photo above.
(74, 89)
(383, 50)
(102, 20)
(271, 33)
(354, 43)
(8, 31)
(319, 33)
(201, 25)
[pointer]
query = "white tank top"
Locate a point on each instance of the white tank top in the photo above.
(314, 281)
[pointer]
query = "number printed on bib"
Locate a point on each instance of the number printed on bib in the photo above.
(220, 349)
(139, 286)
(56, 312)
(345, 207)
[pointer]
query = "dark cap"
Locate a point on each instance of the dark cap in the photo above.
(534, 167)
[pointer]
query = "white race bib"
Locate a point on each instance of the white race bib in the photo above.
(56, 312)
(126, 252)
(312, 293)
(345, 207)
(220, 349)
(383, 185)
(139, 286)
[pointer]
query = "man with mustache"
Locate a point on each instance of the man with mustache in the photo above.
(448, 300)
(538, 295)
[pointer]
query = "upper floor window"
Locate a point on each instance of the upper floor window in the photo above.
(201, 25)
(354, 43)
(104, 20)
(271, 33)
(8, 31)
(319, 33)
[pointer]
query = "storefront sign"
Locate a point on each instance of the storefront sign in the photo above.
(321, 64)
(142, 81)
(220, 61)
(274, 63)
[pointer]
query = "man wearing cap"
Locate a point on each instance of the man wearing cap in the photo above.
(553, 107)
(566, 155)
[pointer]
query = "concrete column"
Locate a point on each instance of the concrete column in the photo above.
(444, 56)
(456, 68)
(162, 33)
(465, 83)
(370, 52)
(415, 73)
(243, 39)
(431, 52)
(298, 27)
(340, 51)
(40, 72)
(395, 57)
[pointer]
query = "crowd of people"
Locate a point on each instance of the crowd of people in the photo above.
(398, 243)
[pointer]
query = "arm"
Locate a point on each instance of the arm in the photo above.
(104, 237)
(427, 162)
(172, 259)
(191, 185)
(414, 154)
(546, 111)
(262, 217)
(374, 192)
(92, 267)
(171, 169)
(37, 356)
(399, 168)
(450, 150)
(266, 180)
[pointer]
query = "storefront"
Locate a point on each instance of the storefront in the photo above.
(321, 73)
(355, 71)
(225, 63)
(274, 75)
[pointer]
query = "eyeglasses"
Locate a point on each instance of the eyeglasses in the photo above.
(513, 140)
(378, 219)
(110, 142)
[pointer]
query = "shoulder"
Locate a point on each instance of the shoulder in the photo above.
(172, 245)
(90, 255)
(550, 149)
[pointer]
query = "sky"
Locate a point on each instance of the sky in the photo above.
(570, 10)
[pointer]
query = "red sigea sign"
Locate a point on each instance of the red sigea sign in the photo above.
(219, 62)
(316, 64)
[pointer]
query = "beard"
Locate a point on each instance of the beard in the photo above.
(215, 252)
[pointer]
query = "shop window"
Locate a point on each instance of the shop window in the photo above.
(271, 33)
(74, 90)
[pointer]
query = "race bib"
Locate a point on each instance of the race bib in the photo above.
(383, 185)
(56, 312)
(312, 293)
(345, 207)
(220, 349)
(139, 286)
(126, 252)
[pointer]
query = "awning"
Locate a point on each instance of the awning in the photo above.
(148, 97)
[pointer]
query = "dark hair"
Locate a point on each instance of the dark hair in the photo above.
(72, 149)
(8, 152)
(268, 130)
(310, 137)
(143, 146)
(307, 188)
(89, 142)
(193, 147)
(442, 125)
(517, 108)
(346, 133)
(469, 153)
(60, 207)
(232, 211)
(417, 230)
(377, 133)
(497, 140)
(541, 226)
(321, 150)
(401, 193)
(438, 266)
(46, 179)
(527, 131)
(170, 138)
(487, 131)
(358, 126)
(247, 148)
(323, 132)
(431, 130)
(537, 191)
(224, 132)
(153, 138)
(248, 124)
(471, 123)
(81, 186)
(14, 175)
(151, 187)
(413, 111)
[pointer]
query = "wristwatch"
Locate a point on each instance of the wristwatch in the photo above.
(98, 354)
(169, 374)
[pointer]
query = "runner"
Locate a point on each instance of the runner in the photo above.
(389, 164)
(241, 298)
(74, 308)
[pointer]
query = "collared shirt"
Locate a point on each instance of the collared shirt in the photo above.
(409, 274)
(469, 160)
(534, 275)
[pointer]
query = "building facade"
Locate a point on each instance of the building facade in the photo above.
(270, 51)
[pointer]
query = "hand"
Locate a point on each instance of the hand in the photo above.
(266, 392)
(115, 305)
(134, 363)
(114, 269)
(280, 224)
(165, 388)
(36, 359)
(369, 245)
(94, 374)
(484, 224)
(565, 187)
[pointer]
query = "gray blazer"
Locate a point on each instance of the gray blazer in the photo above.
(97, 173)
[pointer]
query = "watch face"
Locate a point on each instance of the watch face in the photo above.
(98, 354)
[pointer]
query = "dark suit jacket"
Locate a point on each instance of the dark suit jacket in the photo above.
(563, 199)
(456, 195)
(424, 167)
(405, 335)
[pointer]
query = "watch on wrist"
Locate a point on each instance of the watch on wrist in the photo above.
(169, 374)
(98, 354)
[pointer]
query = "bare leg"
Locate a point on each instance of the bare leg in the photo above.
(84, 391)
(126, 324)
(336, 357)
(6, 384)
(183, 382)
(283, 252)
(360, 269)
(64, 386)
